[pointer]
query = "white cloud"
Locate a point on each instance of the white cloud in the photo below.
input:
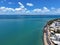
(6, 10)
(45, 9)
(20, 10)
(37, 10)
(29, 4)
(25, 11)
(21, 5)
(28, 11)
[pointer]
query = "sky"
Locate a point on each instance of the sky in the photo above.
(30, 7)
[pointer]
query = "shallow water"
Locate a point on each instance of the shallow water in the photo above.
(26, 31)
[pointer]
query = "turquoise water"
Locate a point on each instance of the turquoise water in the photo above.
(26, 31)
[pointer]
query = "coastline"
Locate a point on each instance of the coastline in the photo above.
(46, 35)
(45, 41)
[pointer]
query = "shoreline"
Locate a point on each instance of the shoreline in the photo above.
(46, 36)
(47, 40)
(50, 30)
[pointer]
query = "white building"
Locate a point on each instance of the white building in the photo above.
(56, 39)
(55, 26)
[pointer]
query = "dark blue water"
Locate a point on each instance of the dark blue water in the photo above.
(27, 16)
(23, 31)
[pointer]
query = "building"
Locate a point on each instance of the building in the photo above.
(55, 32)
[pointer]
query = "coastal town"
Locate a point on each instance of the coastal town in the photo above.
(52, 32)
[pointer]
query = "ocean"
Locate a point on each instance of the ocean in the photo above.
(22, 31)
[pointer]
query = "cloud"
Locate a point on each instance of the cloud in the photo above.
(37, 10)
(6, 10)
(20, 10)
(44, 10)
(29, 4)
(21, 5)
(24, 11)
